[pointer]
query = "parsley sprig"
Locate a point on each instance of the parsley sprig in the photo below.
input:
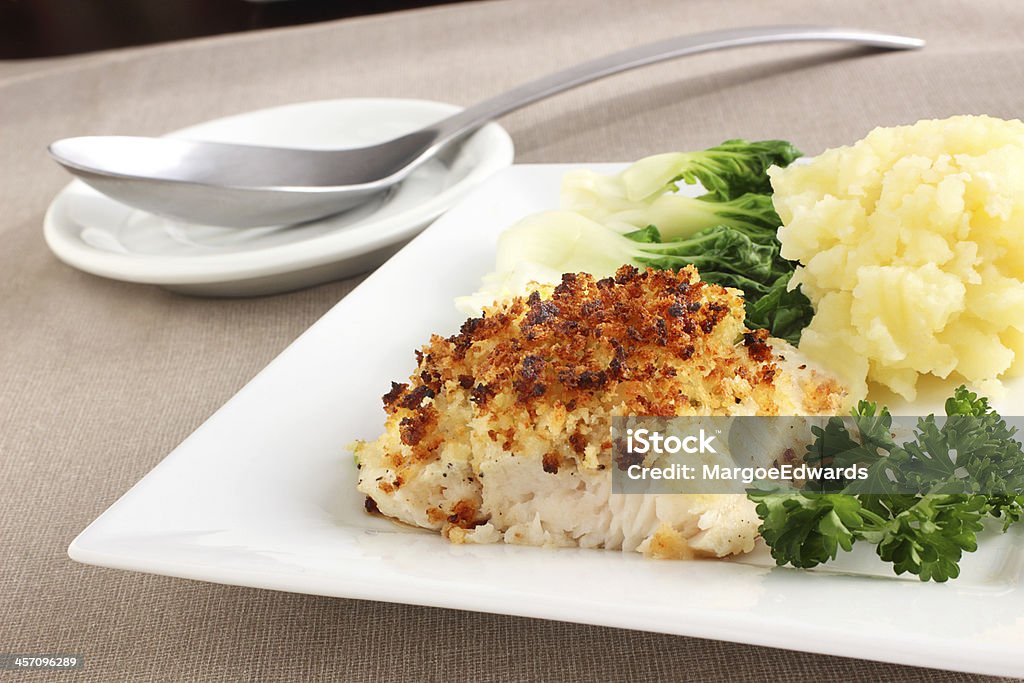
(924, 501)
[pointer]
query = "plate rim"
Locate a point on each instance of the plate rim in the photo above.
(758, 630)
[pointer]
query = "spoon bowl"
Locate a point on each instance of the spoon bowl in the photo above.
(233, 185)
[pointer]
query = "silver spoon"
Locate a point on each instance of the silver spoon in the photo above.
(248, 186)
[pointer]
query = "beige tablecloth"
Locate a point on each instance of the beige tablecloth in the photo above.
(100, 379)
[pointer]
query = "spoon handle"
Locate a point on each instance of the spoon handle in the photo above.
(680, 46)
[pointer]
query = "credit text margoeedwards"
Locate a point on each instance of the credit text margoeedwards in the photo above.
(748, 475)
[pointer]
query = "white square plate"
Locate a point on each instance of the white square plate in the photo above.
(263, 495)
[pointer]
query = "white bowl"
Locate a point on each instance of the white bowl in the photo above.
(99, 235)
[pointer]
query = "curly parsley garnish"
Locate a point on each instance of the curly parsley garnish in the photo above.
(924, 501)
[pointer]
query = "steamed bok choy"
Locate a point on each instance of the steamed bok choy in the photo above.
(675, 215)
(643, 217)
(730, 170)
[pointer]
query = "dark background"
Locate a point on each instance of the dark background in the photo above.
(45, 28)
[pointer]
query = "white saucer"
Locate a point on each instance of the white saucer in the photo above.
(94, 233)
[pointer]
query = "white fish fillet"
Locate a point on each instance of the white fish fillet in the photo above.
(502, 434)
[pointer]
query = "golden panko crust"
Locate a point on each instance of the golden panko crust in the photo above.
(636, 341)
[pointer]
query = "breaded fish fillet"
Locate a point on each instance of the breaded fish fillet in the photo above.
(503, 431)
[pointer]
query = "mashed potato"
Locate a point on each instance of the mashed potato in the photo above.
(910, 245)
